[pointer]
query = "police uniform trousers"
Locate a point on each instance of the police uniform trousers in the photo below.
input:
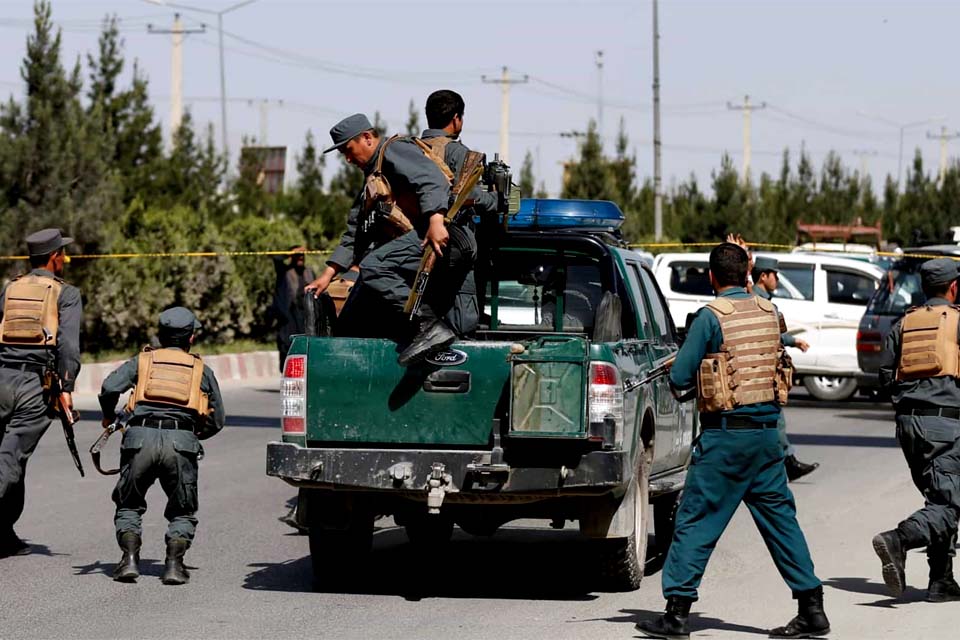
(386, 275)
(24, 418)
(148, 454)
(788, 449)
(931, 446)
(729, 467)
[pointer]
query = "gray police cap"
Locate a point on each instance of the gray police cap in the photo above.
(938, 272)
(179, 319)
(763, 263)
(46, 241)
(348, 129)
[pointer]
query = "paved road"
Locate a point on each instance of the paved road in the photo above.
(251, 573)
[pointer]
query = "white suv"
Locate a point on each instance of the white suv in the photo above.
(822, 298)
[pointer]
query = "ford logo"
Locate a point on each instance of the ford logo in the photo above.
(447, 358)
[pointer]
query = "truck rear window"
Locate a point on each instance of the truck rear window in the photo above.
(543, 292)
(898, 291)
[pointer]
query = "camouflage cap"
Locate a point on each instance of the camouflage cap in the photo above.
(938, 272)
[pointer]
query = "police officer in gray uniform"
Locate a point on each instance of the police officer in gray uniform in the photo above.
(765, 281)
(39, 331)
(444, 111)
(175, 403)
(388, 264)
(923, 385)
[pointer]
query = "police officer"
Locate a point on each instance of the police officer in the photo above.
(765, 281)
(923, 385)
(39, 332)
(421, 193)
(737, 458)
(175, 403)
(444, 111)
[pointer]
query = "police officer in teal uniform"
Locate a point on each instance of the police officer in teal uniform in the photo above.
(738, 458)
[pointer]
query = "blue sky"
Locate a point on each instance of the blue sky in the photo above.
(819, 66)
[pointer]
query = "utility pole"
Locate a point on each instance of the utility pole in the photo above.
(657, 144)
(264, 104)
(903, 127)
(863, 154)
(176, 73)
(505, 81)
(598, 60)
(943, 137)
(747, 109)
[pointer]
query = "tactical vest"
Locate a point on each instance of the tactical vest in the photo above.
(30, 314)
(170, 377)
(928, 343)
(750, 366)
(404, 207)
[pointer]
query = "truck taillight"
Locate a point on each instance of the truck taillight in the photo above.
(869, 341)
(605, 404)
(293, 395)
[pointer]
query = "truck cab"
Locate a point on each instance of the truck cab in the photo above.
(544, 412)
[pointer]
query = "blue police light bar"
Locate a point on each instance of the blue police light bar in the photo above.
(587, 215)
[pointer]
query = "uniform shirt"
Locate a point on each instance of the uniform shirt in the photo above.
(942, 391)
(124, 378)
(288, 294)
(788, 339)
(407, 169)
(703, 337)
(67, 351)
(455, 154)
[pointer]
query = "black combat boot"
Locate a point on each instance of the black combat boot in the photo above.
(811, 621)
(892, 551)
(174, 572)
(127, 570)
(672, 625)
(942, 587)
(797, 469)
(434, 335)
(12, 545)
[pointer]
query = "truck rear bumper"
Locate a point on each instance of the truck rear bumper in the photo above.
(463, 472)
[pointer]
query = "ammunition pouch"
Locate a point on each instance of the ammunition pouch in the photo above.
(30, 313)
(784, 380)
(170, 377)
(928, 343)
(715, 384)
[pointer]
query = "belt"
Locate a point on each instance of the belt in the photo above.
(737, 423)
(25, 367)
(943, 412)
(162, 423)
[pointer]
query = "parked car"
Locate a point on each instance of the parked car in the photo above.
(822, 298)
(900, 289)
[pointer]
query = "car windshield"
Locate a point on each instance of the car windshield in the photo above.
(898, 291)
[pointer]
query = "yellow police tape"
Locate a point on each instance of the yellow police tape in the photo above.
(644, 245)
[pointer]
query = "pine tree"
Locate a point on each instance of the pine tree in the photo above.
(413, 120)
(527, 181)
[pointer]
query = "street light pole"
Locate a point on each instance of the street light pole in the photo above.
(903, 127)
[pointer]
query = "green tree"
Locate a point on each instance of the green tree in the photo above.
(527, 181)
(413, 120)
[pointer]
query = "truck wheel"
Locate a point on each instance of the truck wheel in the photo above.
(831, 388)
(429, 530)
(622, 560)
(664, 520)
(336, 555)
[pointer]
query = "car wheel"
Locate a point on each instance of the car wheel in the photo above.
(622, 560)
(830, 387)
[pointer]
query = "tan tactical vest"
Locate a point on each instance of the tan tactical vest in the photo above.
(404, 207)
(170, 377)
(928, 344)
(30, 315)
(747, 369)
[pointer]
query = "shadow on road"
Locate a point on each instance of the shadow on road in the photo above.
(515, 563)
(37, 550)
(148, 567)
(698, 622)
(866, 587)
(841, 440)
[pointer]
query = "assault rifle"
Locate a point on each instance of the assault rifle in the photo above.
(657, 372)
(119, 424)
(68, 418)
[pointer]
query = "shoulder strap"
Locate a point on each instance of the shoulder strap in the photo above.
(383, 149)
(764, 304)
(721, 306)
(434, 150)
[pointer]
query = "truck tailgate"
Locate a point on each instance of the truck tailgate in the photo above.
(357, 393)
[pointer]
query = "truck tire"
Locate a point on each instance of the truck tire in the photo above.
(622, 560)
(830, 388)
(337, 556)
(665, 520)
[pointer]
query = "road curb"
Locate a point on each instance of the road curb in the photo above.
(228, 367)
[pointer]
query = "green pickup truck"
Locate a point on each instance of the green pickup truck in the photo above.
(546, 412)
